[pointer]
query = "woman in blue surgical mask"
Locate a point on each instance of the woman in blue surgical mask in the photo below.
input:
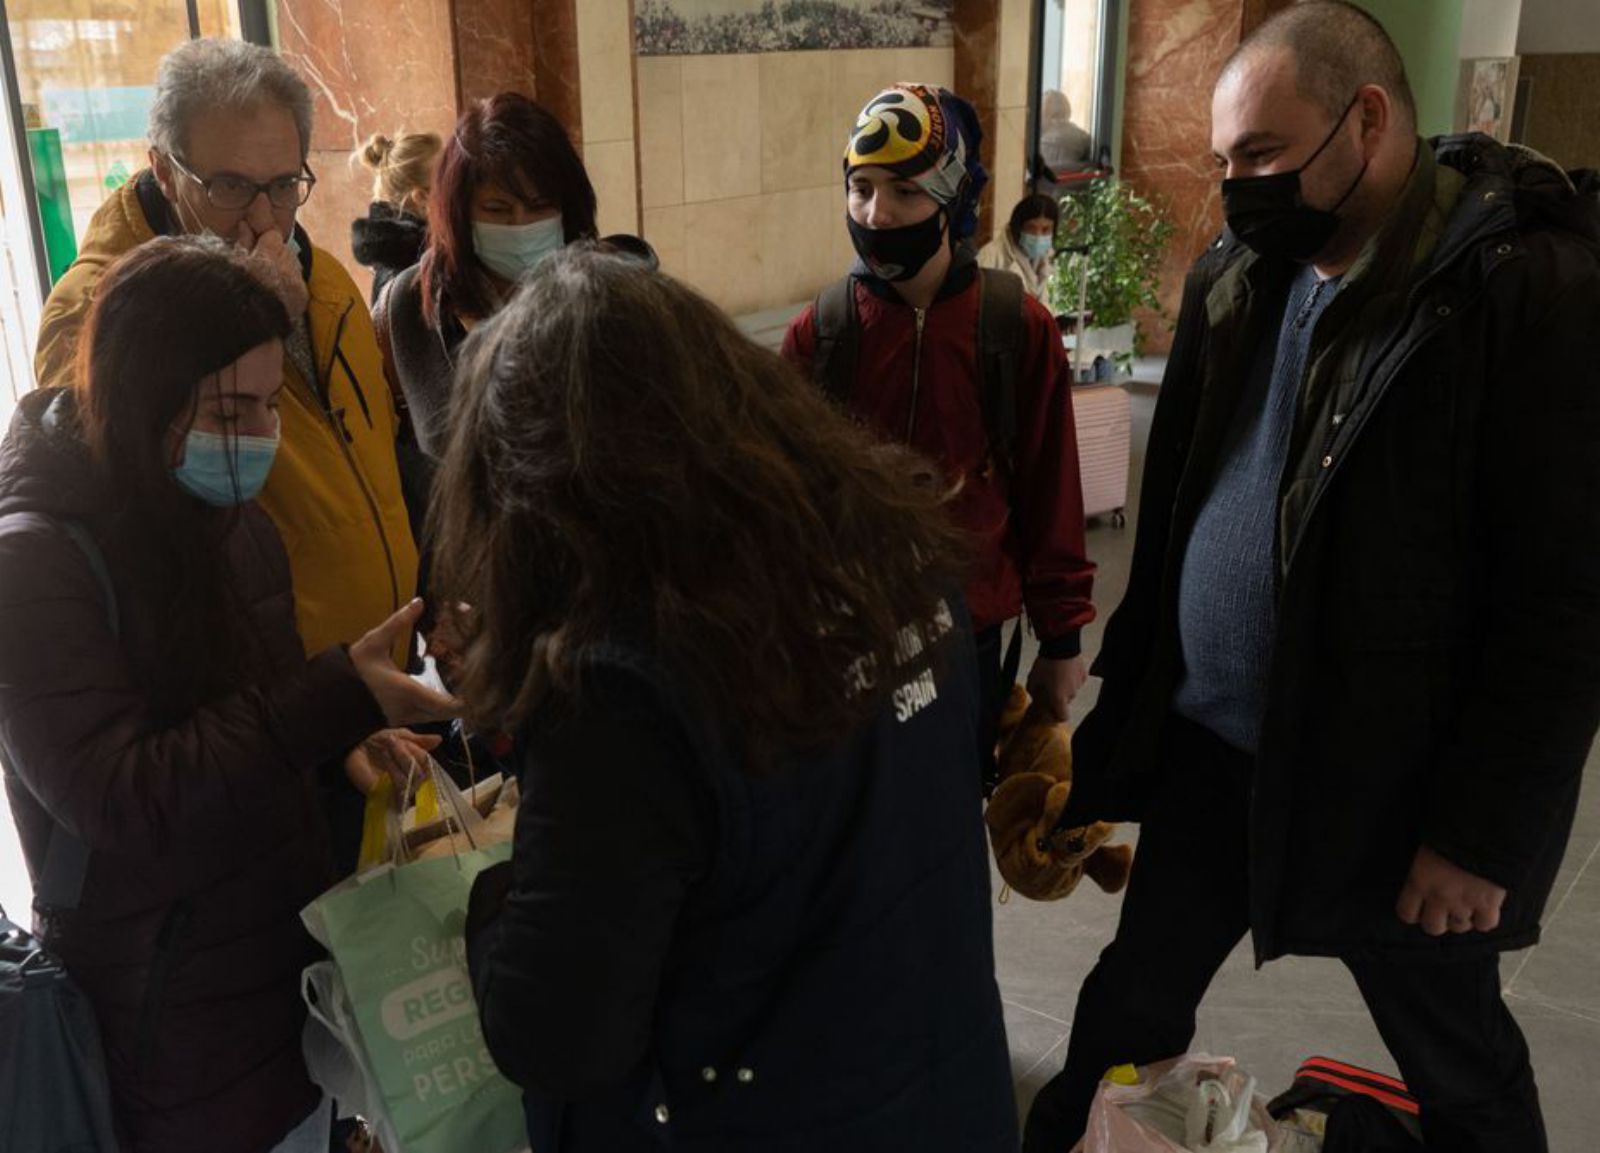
(164, 735)
(1026, 244)
(508, 192)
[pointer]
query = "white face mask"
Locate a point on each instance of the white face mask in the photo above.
(511, 251)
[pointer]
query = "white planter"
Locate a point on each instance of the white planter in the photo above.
(1111, 343)
(1108, 342)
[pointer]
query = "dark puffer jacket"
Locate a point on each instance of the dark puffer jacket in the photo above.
(387, 240)
(206, 835)
(1436, 678)
(795, 956)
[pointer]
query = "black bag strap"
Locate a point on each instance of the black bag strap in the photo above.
(66, 858)
(1000, 335)
(838, 340)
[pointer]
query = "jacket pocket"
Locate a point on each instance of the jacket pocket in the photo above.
(169, 939)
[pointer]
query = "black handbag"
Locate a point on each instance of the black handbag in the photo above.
(54, 1096)
(1362, 1111)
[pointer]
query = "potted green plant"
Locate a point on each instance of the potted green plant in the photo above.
(1120, 237)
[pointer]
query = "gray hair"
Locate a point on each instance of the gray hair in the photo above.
(200, 75)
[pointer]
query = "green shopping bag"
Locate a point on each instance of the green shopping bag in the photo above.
(407, 1017)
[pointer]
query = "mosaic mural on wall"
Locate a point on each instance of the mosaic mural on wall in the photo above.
(722, 27)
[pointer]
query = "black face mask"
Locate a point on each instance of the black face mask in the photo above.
(1269, 215)
(897, 254)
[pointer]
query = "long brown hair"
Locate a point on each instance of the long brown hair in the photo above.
(625, 466)
(165, 317)
(510, 140)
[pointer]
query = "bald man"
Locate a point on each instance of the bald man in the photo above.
(1356, 674)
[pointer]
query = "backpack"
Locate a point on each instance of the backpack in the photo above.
(1000, 335)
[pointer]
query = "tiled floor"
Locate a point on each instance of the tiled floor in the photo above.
(1271, 1019)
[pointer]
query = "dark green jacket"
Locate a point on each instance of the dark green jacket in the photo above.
(1436, 676)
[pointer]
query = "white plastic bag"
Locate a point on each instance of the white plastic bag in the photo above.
(1195, 1104)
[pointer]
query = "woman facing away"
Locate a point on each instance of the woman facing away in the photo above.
(748, 907)
(159, 720)
(394, 233)
(1026, 243)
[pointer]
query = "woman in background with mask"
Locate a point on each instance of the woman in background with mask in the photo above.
(162, 730)
(1024, 246)
(509, 191)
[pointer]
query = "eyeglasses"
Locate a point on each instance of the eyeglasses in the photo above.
(233, 193)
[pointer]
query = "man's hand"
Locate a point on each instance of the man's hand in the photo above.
(400, 753)
(1054, 684)
(279, 266)
(1445, 898)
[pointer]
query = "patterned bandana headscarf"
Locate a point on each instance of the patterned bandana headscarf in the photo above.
(929, 135)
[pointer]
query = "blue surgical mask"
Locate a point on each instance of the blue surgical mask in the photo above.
(511, 251)
(1036, 247)
(208, 472)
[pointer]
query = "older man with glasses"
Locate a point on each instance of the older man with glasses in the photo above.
(229, 132)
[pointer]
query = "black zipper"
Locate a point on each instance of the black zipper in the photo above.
(174, 926)
(342, 435)
(361, 397)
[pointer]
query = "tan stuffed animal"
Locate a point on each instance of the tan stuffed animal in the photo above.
(1035, 754)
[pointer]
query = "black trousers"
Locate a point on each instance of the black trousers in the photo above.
(1458, 1048)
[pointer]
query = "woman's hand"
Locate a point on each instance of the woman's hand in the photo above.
(400, 753)
(404, 700)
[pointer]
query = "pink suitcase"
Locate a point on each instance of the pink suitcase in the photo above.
(1104, 418)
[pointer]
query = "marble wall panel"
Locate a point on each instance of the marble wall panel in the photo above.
(666, 228)
(494, 48)
(800, 137)
(372, 65)
(660, 131)
(1175, 50)
(721, 127)
(605, 53)
(557, 83)
(614, 173)
(977, 78)
(724, 257)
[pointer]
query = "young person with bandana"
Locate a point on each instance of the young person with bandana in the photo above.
(1352, 685)
(163, 732)
(917, 370)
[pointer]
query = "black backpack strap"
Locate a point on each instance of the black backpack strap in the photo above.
(66, 858)
(1000, 335)
(838, 339)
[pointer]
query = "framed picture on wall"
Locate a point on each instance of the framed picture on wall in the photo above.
(1485, 96)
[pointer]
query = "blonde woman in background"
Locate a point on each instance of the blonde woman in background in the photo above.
(393, 234)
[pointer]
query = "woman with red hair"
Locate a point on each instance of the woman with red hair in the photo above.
(510, 190)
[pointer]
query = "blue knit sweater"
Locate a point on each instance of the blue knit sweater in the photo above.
(1228, 593)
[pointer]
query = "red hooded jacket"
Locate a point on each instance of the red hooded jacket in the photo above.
(1028, 522)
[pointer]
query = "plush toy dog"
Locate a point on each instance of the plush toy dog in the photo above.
(1035, 754)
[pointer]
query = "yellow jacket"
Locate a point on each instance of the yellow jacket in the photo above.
(334, 492)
